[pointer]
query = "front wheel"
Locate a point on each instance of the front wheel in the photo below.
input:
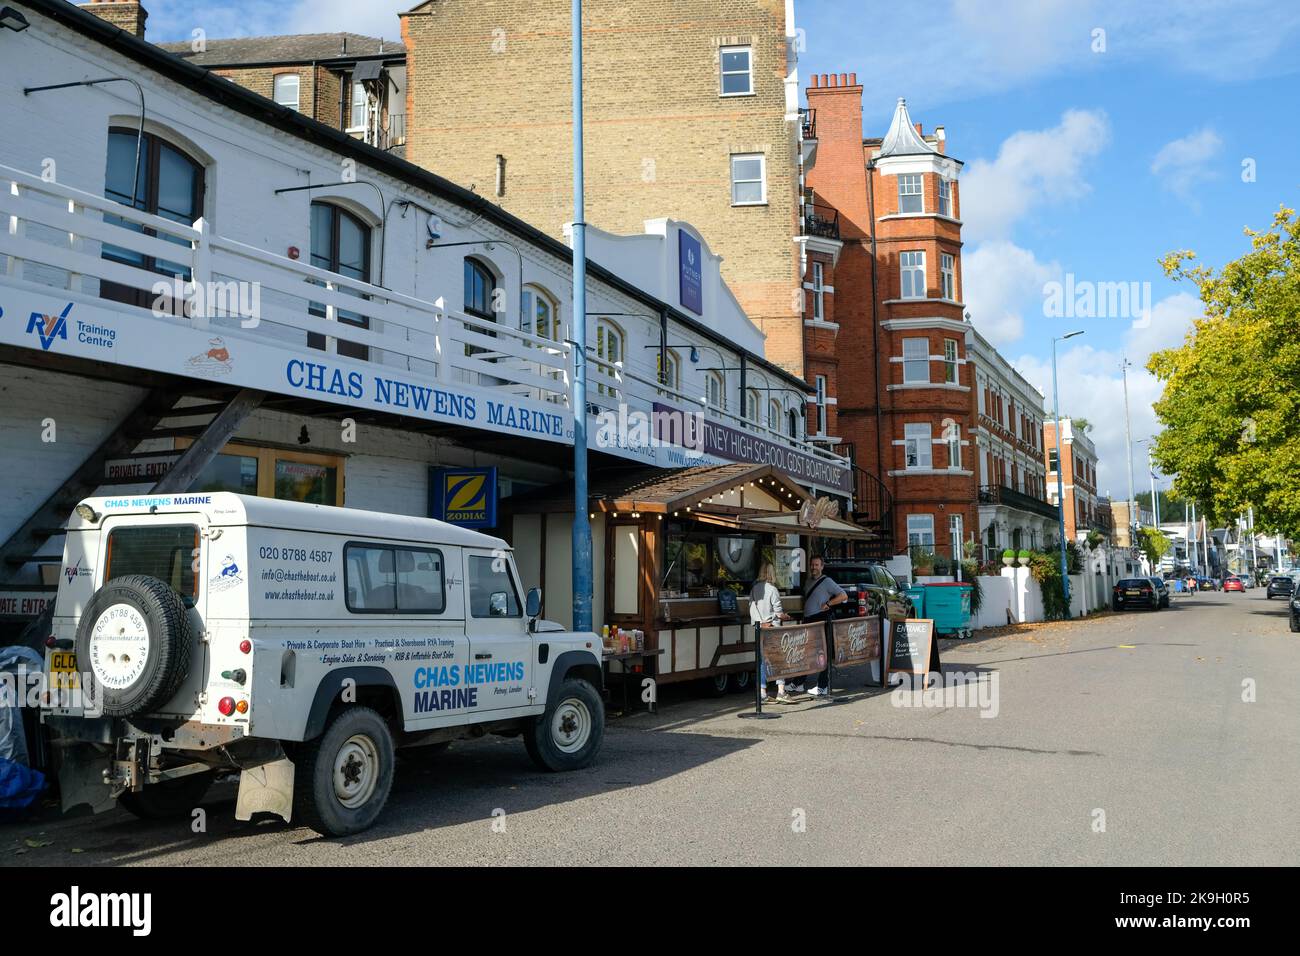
(568, 734)
(343, 777)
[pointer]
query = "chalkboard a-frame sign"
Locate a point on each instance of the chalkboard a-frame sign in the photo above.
(912, 648)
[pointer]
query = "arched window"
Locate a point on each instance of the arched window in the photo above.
(753, 402)
(612, 347)
(340, 242)
(669, 368)
(794, 423)
(170, 184)
(541, 317)
(774, 416)
(479, 283)
(715, 391)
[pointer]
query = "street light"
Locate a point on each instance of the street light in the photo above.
(1060, 484)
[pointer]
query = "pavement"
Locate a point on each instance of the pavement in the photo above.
(1141, 738)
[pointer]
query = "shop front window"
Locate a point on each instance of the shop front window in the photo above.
(273, 473)
(699, 563)
(305, 481)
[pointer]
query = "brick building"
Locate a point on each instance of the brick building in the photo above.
(924, 401)
(1084, 509)
(350, 82)
(690, 109)
(1013, 507)
(905, 407)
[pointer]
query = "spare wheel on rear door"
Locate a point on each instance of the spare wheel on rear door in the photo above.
(133, 645)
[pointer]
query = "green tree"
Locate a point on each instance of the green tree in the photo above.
(1154, 544)
(1231, 402)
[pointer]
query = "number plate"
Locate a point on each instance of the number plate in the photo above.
(63, 670)
(1132, 593)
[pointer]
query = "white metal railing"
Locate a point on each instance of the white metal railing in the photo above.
(55, 235)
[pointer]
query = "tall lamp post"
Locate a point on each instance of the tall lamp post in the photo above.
(582, 573)
(1060, 483)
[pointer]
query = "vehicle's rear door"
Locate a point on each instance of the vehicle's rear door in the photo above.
(174, 549)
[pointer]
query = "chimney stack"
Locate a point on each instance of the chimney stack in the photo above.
(126, 15)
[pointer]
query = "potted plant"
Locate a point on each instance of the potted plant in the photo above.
(923, 562)
(1008, 558)
(1023, 555)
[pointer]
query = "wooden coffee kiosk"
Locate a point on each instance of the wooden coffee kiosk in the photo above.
(675, 553)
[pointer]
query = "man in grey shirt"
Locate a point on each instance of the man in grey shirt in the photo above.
(820, 596)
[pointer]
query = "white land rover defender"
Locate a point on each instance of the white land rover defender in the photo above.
(299, 644)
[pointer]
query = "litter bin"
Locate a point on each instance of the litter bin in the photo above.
(948, 605)
(916, 594)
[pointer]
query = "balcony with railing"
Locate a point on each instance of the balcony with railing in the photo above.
(821, 221)
(1011, 498)
(247, 317)
(808, 119)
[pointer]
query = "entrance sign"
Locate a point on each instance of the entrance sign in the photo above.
(912, 648)
(793, 651)
(856, 640)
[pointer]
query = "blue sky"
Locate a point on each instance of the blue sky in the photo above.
(1086, 162)
(1086, 154)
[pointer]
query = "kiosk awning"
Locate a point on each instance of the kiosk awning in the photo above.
(670, 491)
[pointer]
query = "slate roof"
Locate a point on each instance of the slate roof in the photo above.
(293, 48)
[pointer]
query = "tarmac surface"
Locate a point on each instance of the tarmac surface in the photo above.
(1139, 738)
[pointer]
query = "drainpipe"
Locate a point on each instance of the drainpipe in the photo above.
(875, 325)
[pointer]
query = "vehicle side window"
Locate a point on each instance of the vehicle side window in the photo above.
(491, 589)
(395, 580)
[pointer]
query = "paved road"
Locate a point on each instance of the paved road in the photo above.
(1137, 716)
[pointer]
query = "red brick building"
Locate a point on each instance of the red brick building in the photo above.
(905, 405)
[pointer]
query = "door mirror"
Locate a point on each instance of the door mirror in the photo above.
(533, 607)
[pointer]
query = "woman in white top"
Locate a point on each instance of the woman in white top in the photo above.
(765, 611)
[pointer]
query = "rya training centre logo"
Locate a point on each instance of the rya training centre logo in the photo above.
(49, 327)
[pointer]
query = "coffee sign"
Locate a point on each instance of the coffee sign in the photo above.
(793, 651)
(857, 640)
(912, 648)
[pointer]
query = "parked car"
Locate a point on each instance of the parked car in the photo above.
(1247, 580)
(870, 586)
(1206, 583)
(305, 646)
(1162, 590)
(1295, 613)
(1135, 592)
(1234, 584)
(1280, 585)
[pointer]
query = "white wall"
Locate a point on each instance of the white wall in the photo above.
(996, 601)
(65, 132)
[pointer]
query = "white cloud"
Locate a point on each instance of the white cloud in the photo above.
(1002, 281)
(1033, 168)
(1182, 164)
(1091, 387)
